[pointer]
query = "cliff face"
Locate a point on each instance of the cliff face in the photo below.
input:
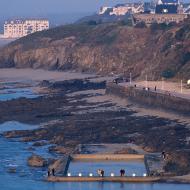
(105, 48)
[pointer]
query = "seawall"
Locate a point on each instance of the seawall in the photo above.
(105, 179)
(61, 166)
(151, 98)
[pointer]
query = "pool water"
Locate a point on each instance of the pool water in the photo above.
(87, 167)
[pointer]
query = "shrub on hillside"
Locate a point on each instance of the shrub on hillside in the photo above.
(180, 34)
(140, 25)
(127, 22)
(168, 74)
(186, 58)
(183, 32)
(92, 22)
(155, 26)
(171, 167)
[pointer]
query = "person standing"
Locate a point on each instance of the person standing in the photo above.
(49, 173)
(122, 172)
(53, 172)
(102, 173)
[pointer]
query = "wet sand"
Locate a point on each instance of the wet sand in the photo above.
(39, 75)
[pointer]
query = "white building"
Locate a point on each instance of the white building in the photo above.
(122, 9)
(128, 8)
(186, 8)
(103, 10)
(1, 36)
(20, 28)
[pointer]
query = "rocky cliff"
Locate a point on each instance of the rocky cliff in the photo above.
(106, 48)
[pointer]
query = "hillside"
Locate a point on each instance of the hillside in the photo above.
(104, 18)
(157, 51)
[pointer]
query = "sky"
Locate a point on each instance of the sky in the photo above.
(43, 7)
(57, 11)
(40, 7)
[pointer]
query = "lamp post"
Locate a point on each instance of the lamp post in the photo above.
(181, 86)
(162, 84)
(146, 81)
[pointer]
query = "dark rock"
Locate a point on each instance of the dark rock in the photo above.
(44, 83)
(39, 143)
(37, 161)
(12, 170)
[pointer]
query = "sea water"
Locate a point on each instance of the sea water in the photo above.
(9, 91)
(13, 157)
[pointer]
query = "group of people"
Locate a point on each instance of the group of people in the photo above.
(122, 172)
(51, 172)
(101, 172)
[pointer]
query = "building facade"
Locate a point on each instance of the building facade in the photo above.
(103, 10)
(167, 7)
(159, 18)
(20, 28)
(122, 9)
(127, 8)
(166, 11)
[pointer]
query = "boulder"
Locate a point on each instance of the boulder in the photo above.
(45, 83)
(12, 170)
(39, 143)
(37, 161)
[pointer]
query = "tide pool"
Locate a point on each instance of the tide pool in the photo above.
(9, 94)
(15, 90)
(16, 126)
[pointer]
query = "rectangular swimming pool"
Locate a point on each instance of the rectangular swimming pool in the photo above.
(86, 167)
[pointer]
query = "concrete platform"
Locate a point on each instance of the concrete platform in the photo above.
(105, 179)
(116, 157)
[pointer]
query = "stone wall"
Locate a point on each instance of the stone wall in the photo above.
(150, 98)
(159, 18)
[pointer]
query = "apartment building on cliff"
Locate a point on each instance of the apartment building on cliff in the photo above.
(122, 9)
(166, 11)
(20, 28)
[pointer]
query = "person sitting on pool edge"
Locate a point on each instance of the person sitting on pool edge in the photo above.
(100, 172)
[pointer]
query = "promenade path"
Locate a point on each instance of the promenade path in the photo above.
(170, 88)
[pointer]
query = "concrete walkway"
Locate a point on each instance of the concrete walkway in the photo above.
(172, 89)
(104, 179)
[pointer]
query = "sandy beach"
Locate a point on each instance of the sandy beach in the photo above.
(39, 75)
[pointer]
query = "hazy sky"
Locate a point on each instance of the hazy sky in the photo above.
(28, 7)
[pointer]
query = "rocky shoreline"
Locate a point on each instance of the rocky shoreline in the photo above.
(77, 112)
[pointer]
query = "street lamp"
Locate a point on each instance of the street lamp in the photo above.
(181, 86)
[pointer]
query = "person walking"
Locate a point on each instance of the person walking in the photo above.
(163, 155)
